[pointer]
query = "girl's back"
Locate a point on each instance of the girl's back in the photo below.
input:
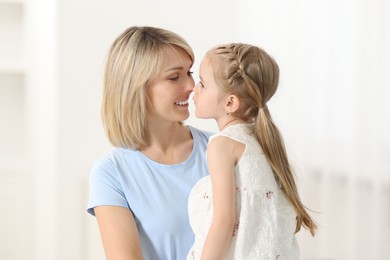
(266, 221)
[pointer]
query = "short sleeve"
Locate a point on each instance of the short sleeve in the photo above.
(105, 186)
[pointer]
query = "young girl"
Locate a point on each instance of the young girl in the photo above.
(249, 207)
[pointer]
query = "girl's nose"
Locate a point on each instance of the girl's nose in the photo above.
(195, 89)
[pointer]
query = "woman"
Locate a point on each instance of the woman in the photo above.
(139, 191)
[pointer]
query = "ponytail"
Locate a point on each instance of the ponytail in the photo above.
(273, 147)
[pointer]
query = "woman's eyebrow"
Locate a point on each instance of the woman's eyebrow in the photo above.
(174, 68)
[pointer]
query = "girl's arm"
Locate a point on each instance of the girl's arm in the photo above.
(119, 233)
(221, 159)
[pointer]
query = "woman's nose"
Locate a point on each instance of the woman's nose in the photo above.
(190, 84)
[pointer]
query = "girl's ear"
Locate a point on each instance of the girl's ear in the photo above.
(232, 104)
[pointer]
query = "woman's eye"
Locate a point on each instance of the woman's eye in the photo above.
(174, 78)
(189, 73)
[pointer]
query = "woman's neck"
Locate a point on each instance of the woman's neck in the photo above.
(168, 144)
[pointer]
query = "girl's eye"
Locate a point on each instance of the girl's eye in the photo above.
(189, 73)
(201, 84)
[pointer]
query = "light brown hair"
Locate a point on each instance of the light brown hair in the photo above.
(133, 60)
(252, 75)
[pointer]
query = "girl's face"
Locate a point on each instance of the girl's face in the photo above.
(208, 99)
(168, 93)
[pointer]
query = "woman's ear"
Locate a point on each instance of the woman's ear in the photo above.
(232, 104)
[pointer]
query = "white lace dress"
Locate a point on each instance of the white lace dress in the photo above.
(265, 219)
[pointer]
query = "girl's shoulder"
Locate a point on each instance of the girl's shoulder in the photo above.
(237, 132)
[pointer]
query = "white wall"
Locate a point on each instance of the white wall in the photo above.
(332, 107)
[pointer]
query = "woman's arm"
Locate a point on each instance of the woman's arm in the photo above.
(119, 233)
(221, 158)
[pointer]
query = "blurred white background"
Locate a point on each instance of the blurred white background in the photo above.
(333, 108)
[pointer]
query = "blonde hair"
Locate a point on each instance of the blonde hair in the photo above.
(252, 75)
(133, 60)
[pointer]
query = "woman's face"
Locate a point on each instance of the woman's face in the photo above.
(168, 93)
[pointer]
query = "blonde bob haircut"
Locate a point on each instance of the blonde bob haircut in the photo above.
(133, 59)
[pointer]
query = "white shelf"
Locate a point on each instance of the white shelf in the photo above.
(11, 2)
(12, 89)
(12, 118)
(11, 37)
(12, 69)
(14, 201)
(15, 180)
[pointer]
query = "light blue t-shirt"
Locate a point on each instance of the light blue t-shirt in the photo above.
(157, 195)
